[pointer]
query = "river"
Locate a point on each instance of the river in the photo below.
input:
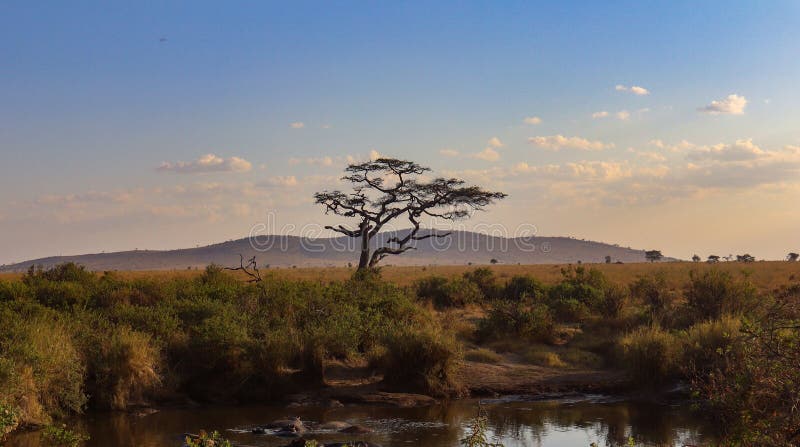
(513, 421)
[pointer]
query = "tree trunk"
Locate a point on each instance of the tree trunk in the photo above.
(363, 261)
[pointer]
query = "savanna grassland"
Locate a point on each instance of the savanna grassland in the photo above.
(73, 340)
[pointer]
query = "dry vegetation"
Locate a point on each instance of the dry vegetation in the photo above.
(71, 338)
(766, 275)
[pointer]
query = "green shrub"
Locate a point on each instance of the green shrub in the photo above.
(12, 290)
(204, 439)
(9, 420)
(61, 295)
(41, 370)
(123, 368)
(422, 359)
(485, 280)
(651, 355)
(652, 290)
(524, 286)
(66, 272)
(614, 299)
(579, 292)
(529, 321)
(715, 293)
(443, 293)
(63, 437)
(706, 344)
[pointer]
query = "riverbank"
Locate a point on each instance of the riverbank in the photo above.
(72, 340)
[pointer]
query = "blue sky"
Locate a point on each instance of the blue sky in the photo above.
(92, 103)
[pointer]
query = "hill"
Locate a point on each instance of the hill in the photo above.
(461, 248)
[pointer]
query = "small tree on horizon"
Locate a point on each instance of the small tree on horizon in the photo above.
(713, 259)
(792, 257)
(695, 258)
(387, 189)
(653, 255)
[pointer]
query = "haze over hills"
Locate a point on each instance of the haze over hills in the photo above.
(461, 248)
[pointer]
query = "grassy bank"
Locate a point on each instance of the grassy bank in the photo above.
(71, 340)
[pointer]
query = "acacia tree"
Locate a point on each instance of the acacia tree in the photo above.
(387, 189)
(792, 257)
(653, 255)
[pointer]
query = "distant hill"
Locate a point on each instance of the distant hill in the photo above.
(461, 248)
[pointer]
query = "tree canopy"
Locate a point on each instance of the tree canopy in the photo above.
(387, 189)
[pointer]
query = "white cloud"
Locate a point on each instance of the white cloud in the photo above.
(731, 105)
(740, 150)
(318, 161)
(651, 156)
(327, 126)
(449, 152)
(635, 89)
(623, 115)
(599, 170)
(682, 146)
(281, 180)
(600, 114)
(558, 142)
(488, 154)
(532, 120)
(207, 163)
(495, 142)
(297, 125)
(374, 155)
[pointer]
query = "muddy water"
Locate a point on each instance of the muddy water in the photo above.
(515, 422)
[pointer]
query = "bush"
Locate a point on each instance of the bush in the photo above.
(715, 293)
(706, 344)
(579, 292)
(425, 360)
(651, 355)
(485, 280)
(524, 286)
(444, 293)
(61, 295)
(614, 299)
(215, 439)
(12, 290)
(530, 321)
(753, 387)
(652, 290)
(123, 369)
(63, 437)
(9, 420)
(41, 370)
(66, 272)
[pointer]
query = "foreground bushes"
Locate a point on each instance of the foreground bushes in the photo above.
(71, 339)
(753, 384)
(424, 360)
(651, 354)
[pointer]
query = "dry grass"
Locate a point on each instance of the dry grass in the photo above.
(766, 275)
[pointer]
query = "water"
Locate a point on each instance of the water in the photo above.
(513, 421)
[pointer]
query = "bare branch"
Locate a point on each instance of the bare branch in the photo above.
(251, 269)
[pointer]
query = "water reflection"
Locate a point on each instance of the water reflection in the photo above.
(515, 423)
